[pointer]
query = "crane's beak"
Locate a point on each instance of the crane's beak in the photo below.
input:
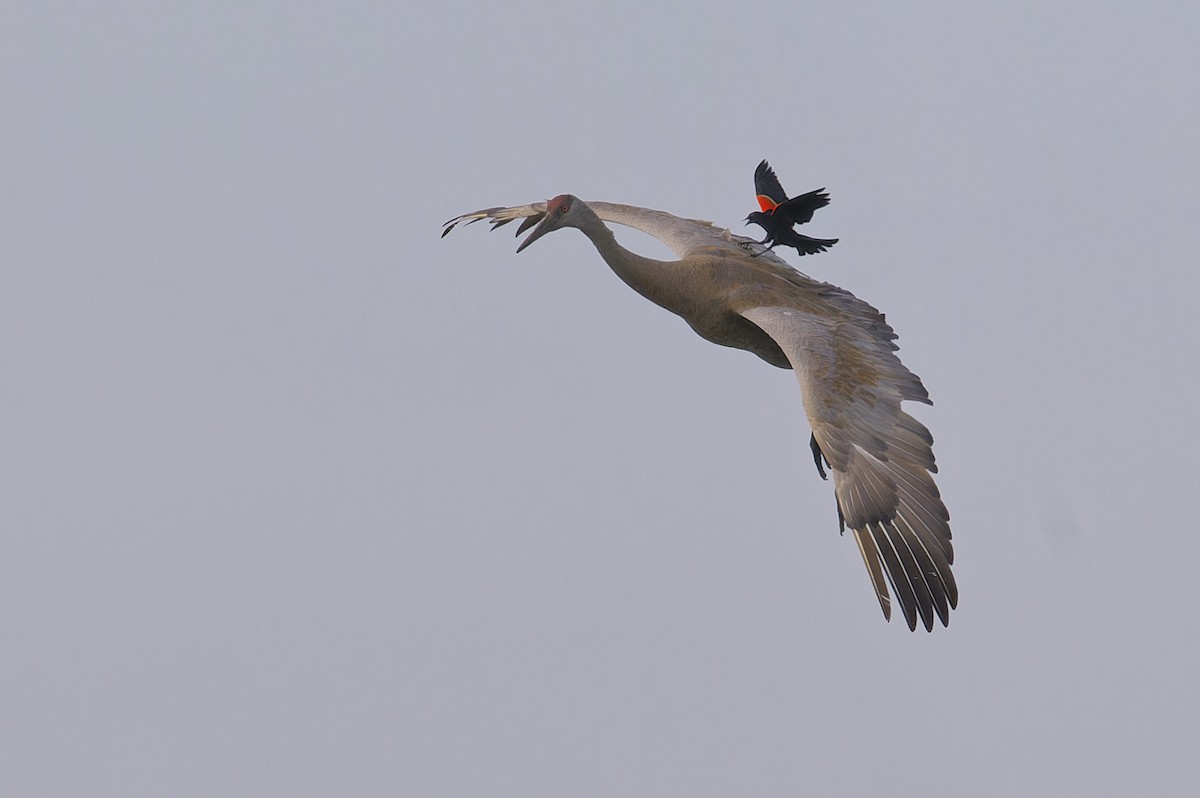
(547, 225)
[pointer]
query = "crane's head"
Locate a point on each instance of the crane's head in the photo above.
(562, 211)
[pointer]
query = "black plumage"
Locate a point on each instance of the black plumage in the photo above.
(779, 214)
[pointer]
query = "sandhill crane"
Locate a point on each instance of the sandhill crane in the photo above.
(780, 214)
(843, 354)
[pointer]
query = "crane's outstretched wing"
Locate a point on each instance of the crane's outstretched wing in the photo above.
(852, 384)
(682, 236)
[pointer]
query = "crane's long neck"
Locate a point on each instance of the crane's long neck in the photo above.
(653, 279)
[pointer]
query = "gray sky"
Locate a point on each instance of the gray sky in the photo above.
(299, 499)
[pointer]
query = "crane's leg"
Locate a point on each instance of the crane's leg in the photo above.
(818, 455)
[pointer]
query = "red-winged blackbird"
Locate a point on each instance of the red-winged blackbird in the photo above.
(779, 214)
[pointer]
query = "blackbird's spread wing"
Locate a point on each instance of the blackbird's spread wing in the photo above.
(800, 209)
(766, 186)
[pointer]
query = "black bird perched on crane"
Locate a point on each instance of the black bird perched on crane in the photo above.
(779, 214)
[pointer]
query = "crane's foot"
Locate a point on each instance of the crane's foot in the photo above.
(818, 456)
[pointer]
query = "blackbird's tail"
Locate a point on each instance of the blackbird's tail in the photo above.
(806, 245)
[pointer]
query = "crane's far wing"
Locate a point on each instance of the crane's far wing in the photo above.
(852, 384)
(682, 236)
(532, 214)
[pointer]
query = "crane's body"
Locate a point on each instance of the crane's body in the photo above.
(843, 354)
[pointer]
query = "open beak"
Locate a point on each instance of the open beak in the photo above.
(545, 227)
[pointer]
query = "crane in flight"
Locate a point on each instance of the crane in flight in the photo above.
(843, 353)
(780, 214)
